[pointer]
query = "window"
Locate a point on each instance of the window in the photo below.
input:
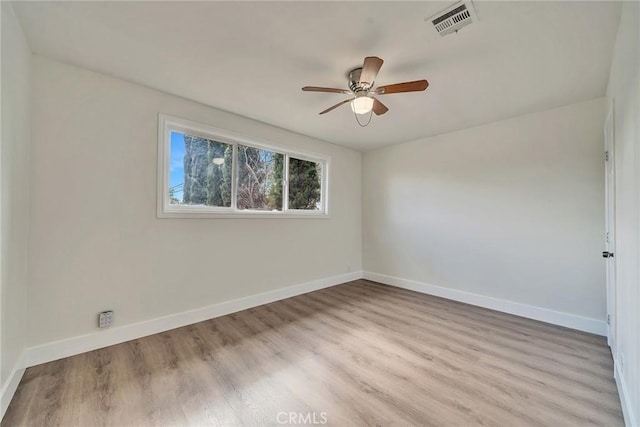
(209, 172)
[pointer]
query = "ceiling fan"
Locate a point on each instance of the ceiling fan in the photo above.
(361, 89)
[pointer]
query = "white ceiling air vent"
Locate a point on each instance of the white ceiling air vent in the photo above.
(453, 18)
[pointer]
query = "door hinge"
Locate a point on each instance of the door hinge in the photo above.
(607, 237)
(608, 319)
(606, 156)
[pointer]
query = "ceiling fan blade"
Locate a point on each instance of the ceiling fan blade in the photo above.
(370, 69)
(379, 108)
(335, 106)
(417, 86)
(324, 89)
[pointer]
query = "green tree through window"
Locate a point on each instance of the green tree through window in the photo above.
(304, 184)
(207, 173)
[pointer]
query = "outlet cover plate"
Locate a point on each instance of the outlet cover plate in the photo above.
(105, 319)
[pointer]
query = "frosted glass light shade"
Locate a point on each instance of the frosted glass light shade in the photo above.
(362, 104)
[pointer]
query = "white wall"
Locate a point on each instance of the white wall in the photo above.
(15, 143)
(624, 89)
(511, 210)
(95, 240)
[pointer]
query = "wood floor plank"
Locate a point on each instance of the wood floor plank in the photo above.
(499, 375)
(361, 353)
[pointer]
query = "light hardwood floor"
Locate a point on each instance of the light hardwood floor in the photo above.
(355, 354)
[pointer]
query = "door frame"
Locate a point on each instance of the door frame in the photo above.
(610, 226)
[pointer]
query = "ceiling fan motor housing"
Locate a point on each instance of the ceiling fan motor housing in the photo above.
(354, 81)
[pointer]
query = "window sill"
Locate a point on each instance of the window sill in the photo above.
(235, 215)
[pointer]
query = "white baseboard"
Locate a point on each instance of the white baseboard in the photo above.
(11, 384)
(83, 343)
(625, 402)
(568, 320)
(80, 344)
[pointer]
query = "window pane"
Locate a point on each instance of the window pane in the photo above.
(259, 179)
(304, 184)
(200, 171)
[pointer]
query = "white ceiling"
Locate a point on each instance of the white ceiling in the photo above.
(252, 58)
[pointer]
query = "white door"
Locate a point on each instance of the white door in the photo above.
(610, 229)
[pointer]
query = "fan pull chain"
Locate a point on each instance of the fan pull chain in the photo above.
(366, 124)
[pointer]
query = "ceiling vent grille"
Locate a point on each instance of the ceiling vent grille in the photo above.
(453, 18)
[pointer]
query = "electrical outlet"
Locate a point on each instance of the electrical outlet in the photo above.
(105, 319)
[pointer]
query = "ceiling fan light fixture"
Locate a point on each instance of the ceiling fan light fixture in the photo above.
(362, 103)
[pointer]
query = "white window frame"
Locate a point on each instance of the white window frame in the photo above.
(168, 124)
